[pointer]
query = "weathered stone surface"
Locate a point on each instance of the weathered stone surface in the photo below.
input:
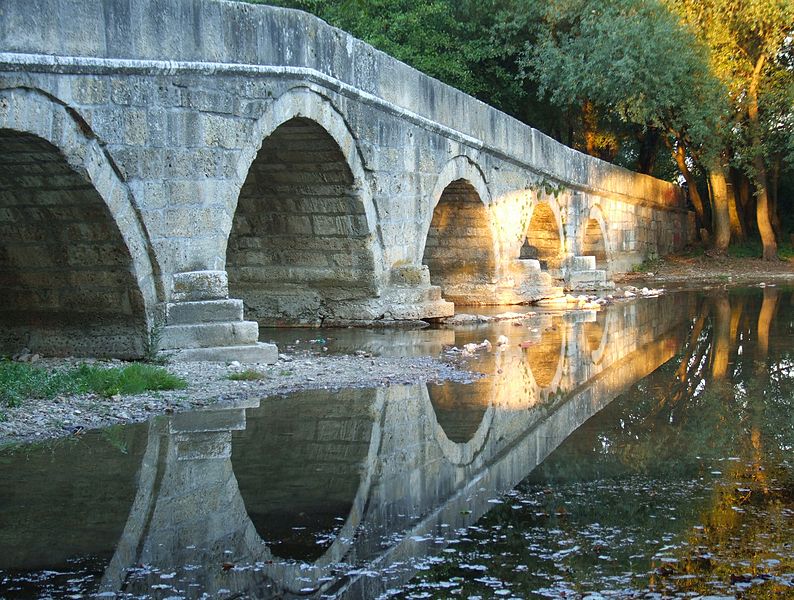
(252, 353)
(288, 165)
(202, 335)
(200, 285)
(204, 311)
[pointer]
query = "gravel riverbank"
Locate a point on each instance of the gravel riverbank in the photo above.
(209, 383)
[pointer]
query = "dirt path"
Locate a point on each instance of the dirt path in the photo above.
(692, 272)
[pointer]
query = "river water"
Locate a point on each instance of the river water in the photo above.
(642, 451)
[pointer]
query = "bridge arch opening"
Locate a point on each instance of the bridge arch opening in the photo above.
(459, 249)
(300, 239)
(593, 242)
(67, 277)
(543, 240)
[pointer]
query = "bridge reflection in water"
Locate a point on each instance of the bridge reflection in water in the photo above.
(318, 492)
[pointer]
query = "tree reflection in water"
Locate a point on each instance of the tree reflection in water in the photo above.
(683, 485)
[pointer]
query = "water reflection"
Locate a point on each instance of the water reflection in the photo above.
(338, 492)
(684, 485)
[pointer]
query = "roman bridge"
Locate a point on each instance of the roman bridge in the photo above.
(202, 167)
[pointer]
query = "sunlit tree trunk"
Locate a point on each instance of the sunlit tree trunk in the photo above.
(762, 205)
(774, 188)
(719, 208)
(679, 155)
(738, 233)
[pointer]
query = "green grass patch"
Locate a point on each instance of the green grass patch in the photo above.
(247, 375)
(22, 381)
(752, 249)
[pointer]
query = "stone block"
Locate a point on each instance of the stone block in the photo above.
(200, 285)
(583, 263)
(205, 335)
(204, 311)
(208, 420)
(582, 280)
(252, 353)
(410, 275)
(206, 446)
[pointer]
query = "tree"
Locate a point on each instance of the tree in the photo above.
(634, 61)
(751, 53)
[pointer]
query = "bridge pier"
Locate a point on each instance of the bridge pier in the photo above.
(203, 323)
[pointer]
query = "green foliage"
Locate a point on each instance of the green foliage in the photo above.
(752, 54)
(247, 375)
(633, 60)
(21, 381)
(151, 351)
(549, 188)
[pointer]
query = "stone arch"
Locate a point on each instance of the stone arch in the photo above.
(76, 273)
(460, 248)
(544, 239)
(302, 236)
(594, 239)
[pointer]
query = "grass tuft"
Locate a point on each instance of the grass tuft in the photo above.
(22, 381)
(247, 375)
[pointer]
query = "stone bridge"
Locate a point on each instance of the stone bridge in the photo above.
(200, 167)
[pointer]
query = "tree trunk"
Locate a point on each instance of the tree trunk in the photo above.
(774, 188)
(679, 155)
(649, 148)
(738, 233)
(744, 200)
(762, 193)
(719, 208)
